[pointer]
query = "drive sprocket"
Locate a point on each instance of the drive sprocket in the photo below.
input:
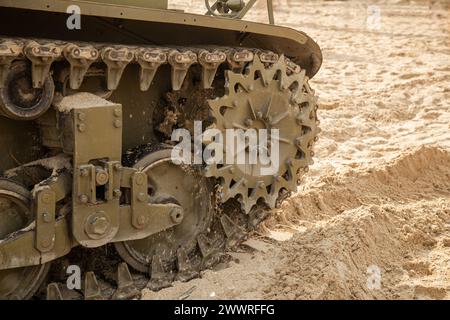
(265, 96)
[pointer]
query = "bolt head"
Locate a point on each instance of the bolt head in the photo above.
(117, 112)
(45, 243)
(82, 127)
(141, 220)
(99, 225)
(142, 197)
(117, 123)
(117, 193)
(84, 172)
(83, 198)
(81, 116)
(140, 179)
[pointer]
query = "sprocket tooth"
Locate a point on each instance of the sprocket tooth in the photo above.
(180, 62)
(53, 292)
(159, 277)
(80, 59)
(186, 270)
(116, 60)
(233, 232)
(9, 51)
(150, 60)
(210, 252)
(125, 285)
(210, 62)
(41, 57)
(92, 289)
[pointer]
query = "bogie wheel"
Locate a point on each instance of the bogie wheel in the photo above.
(171, 183)
(15, 214)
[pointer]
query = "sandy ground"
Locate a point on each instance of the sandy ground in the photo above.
(372, 218)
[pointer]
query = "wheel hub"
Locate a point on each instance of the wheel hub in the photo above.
(170, 183)
(17, 283)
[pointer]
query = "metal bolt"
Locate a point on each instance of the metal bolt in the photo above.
(176, 214)
(81, 116)
(46, 243)
(117, 193)
(231, 170)
(81, 127)
(99, 225)
(117, 112)
(139, 179)
(84, 172)
(142, 197)
(259, 115)
(141, 220)
(83, 198)
(117, 123)
(262, 185)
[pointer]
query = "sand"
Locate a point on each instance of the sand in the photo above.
(371, 219)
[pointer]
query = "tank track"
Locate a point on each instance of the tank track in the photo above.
(230, 225)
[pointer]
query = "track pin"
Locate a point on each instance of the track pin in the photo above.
(126, 289)
(91, 287)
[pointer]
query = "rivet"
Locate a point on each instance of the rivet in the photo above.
(262, 185)
(81, 127)
(141, 220)
(117, 112)
(46, 243)
(117, 193)
(81, 116)
(83, 198)
(139, 179)
(259, 115)
(142, 197)
(248, 122)
(231, 170)
(84, 172)
(117, 123)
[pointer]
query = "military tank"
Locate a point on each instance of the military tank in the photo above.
(90, 95)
